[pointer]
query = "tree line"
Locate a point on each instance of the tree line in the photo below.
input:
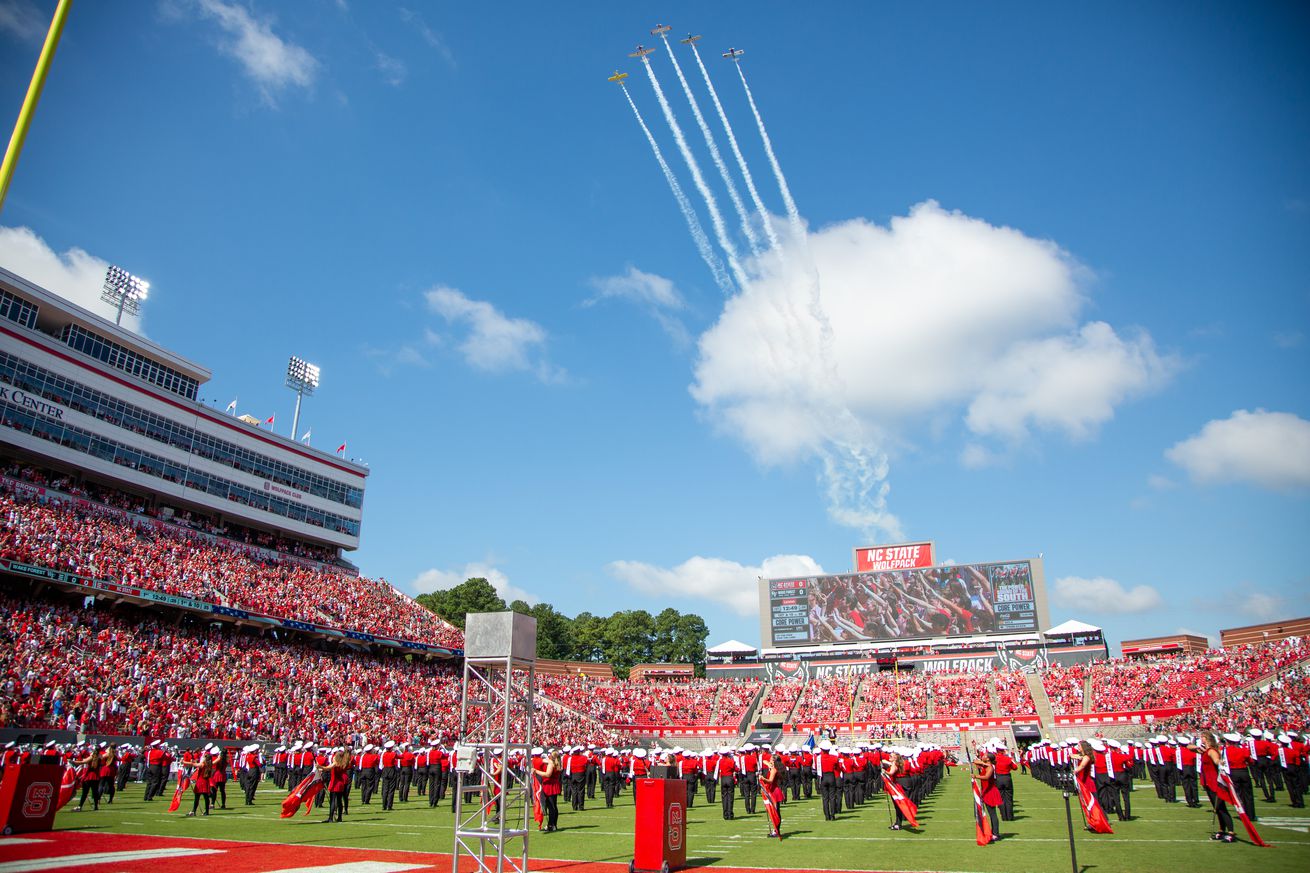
(628, 637)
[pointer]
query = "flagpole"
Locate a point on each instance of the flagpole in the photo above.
(34, 88)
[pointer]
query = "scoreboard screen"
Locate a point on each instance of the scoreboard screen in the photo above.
(954, 600)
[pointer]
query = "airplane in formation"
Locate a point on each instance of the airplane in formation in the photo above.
(641, 52)
(618, 77)
(690, 40)
(733, 54)
(660, 30)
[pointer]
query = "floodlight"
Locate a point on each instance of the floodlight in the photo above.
(302, 378)
(302, 375)
(124, 290)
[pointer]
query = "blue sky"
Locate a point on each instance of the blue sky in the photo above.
(1053, 296)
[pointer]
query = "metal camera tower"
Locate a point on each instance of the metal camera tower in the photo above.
(492, 802)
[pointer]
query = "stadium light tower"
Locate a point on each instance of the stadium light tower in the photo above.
(302, 378)
(124, 291)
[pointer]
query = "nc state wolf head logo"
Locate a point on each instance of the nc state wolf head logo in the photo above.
(789, 668)
(1024, 654)
(675, 826)
(38, 799)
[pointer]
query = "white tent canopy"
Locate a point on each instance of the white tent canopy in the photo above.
(731, 647)
(1072, 626)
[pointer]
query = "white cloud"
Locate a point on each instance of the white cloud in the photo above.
(656, 294)
(1289, 339)
(727, 582)
(22, 19)
(975, 457)
(1161, 483)
(1070, 383)
(429, 36)
(1259, 605)
(937, 316)
(393, 69)
(493, 341)
(74, 275)
(1105, 596)
(272, 62)
(434, 579)
(1268, 449)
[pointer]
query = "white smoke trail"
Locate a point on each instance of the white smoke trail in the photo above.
(716, 218)
(693, 223)
(854, 467)
(793, 215)
(736, 151)
(746, 227)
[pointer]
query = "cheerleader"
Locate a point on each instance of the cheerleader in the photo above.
(218, 783)
(88, 769)
(549, 774)
(1211, 762)
(201, 785)
(984, 771)
(771, 790)
(337, 778)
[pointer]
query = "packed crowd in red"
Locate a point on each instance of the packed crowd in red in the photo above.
(1064, 688)
(892, 696)
(128, 671)
(782, 696)
(960, 696)
(735, 698)
(1012, 693)
(93, 670)
(103, 543)
(653, 703)
(826, 700)
(687, 702)
(1283, 704)
(236, 535)
(1168, 681)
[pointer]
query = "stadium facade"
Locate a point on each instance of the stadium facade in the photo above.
(80, 394)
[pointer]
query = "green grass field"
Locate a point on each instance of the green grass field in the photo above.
(1164, 838)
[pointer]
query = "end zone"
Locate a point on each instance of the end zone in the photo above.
(77, 851)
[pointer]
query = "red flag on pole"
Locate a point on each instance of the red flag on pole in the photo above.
(772, 797)
(269, 421)
(341, 449)
(981, 822)
(305, 793)
(903, 803)
(1092, 811)
(1226, 791)
(182, 783)
(67, 787)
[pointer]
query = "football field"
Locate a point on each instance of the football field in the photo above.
(1162, 838)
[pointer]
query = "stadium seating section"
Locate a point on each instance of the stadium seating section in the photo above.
(104, 542)
(130, 670)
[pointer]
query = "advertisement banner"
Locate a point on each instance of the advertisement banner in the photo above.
(902, 556)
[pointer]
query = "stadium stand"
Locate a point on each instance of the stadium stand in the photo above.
(1064, 688)
(127, 672)
(1013, 694)
(103, 541)
(960, 697)
(892, 697)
